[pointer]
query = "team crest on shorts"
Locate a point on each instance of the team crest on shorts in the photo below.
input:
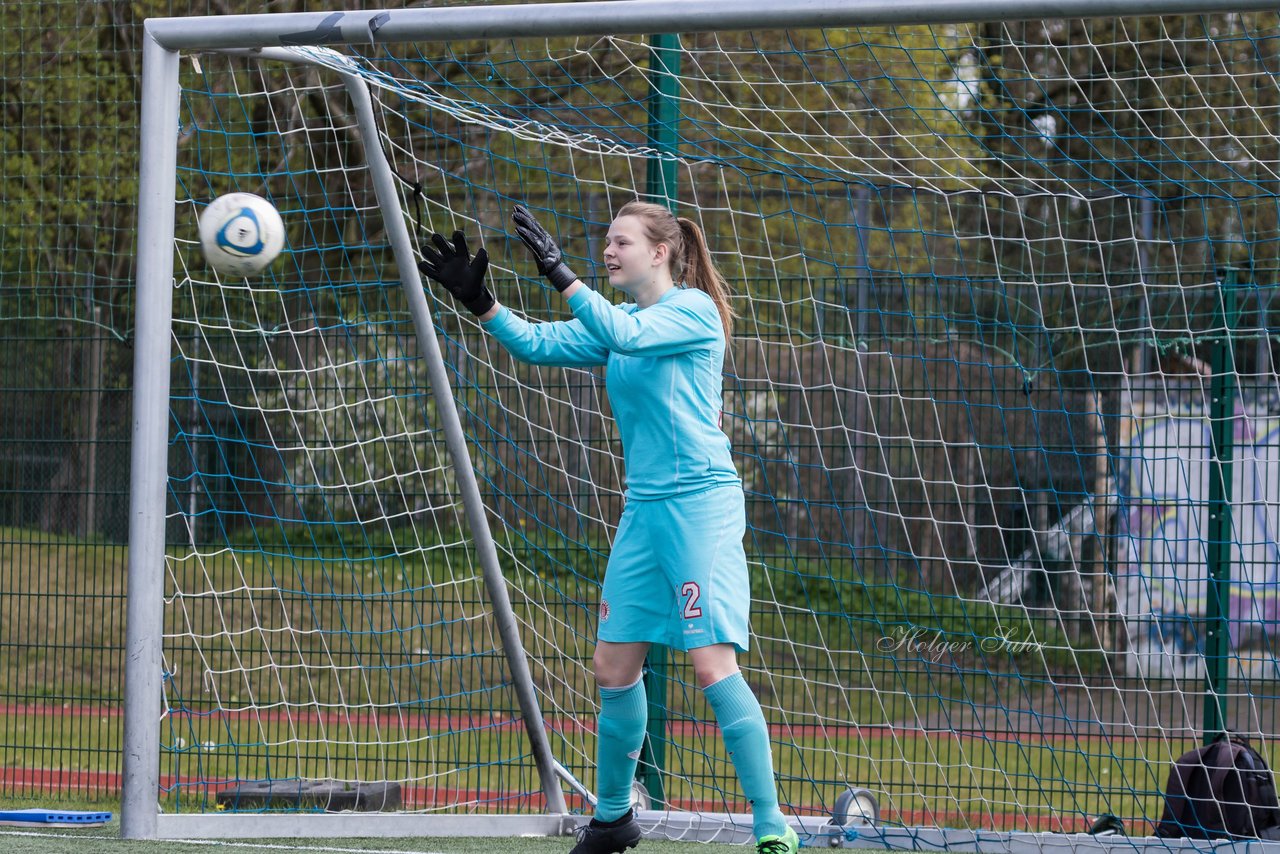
(604, 611)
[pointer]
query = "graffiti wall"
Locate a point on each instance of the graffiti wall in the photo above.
(1162, 565)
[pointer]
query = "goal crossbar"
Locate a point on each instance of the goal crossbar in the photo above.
(631, 18)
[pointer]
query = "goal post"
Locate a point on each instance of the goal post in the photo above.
(366, 546)
(143, 746)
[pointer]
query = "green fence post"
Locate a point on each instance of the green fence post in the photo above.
(663, 137)
(1222, 406)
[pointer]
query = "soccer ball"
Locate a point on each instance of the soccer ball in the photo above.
(241, 234)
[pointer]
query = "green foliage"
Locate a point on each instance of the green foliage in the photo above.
(775, 124)
(350, 436)
(68, 167)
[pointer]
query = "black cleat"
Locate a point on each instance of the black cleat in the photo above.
(608, 837)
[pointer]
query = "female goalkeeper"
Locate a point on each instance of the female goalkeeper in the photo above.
(677, 574)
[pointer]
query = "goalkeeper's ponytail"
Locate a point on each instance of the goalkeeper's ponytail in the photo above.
(690, 259)
(700, 272)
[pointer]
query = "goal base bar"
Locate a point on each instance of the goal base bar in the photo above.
(311, 825)
(655, 824)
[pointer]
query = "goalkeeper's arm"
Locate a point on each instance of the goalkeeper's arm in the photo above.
(566, 344)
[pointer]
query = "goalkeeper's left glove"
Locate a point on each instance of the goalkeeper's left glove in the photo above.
(461, 275)
(545, 251)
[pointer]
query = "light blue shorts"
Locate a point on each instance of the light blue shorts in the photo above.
(677, 574)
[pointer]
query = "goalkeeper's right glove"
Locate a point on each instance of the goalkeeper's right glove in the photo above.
(462, 276)
(545, 251)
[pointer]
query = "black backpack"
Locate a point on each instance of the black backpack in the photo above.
(1223, 790)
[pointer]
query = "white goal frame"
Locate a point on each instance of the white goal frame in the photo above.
(296, 38)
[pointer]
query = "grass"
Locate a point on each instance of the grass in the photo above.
(107, 841)
(422, 617)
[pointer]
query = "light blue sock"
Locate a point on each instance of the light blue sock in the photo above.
(624, 712)
(746, 737)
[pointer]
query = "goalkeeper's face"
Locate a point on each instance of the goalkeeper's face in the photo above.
(633, 262)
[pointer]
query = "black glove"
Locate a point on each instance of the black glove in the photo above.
(545, 251)
(462, 276)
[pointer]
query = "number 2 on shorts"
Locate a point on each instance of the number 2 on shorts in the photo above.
(690, 591)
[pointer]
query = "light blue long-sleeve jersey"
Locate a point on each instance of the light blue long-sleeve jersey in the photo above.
(664, 369)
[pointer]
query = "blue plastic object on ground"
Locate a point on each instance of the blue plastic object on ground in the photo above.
(53, 818)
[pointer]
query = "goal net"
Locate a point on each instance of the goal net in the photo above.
(983, 273)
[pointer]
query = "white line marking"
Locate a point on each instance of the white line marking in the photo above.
(223, 843)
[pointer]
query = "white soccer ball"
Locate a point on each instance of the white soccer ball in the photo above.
(241, 234)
